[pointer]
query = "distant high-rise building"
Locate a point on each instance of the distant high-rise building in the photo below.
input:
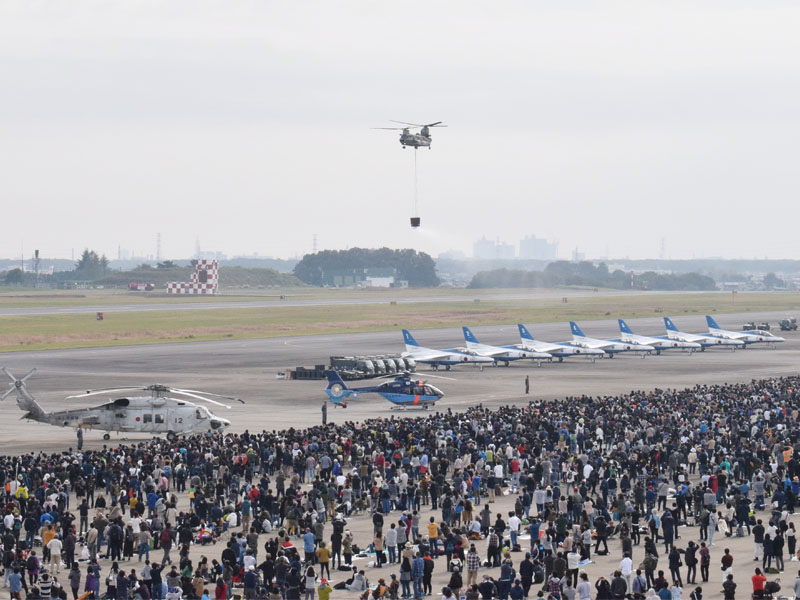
(485, 249)
(535, 248)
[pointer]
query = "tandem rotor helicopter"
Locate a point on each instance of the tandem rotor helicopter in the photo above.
(422, 139)
(402, 391)
(156, 413)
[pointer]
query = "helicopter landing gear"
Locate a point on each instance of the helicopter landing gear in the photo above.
(506, 363)
(171, 436)
(106, 436)
(561, 359)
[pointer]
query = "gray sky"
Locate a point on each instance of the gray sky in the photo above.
(605, 126)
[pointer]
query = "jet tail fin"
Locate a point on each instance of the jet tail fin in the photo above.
(523, 332)
(469, 337)
(409, 339)
(24, 399)
(623, 327)
(669, 324)
(576, 331)
(712, 324)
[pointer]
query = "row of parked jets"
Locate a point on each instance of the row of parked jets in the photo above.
(583, 346)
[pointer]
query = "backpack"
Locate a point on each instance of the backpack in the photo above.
(166, 537)
(115, 533)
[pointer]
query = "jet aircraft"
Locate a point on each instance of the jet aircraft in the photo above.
(705, 341)
(503, 354)
(437, 358)
(559, 350)
(659, 343)
(611, 347)
(748, 337)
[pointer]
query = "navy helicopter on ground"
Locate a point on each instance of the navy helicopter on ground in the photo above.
(154, 413)
(402, 391)
(422, 139)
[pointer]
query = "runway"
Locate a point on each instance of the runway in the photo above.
(247, 368)
(275, 302)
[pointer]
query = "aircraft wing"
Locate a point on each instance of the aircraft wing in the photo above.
(430, 355)
(693, 337)
(594, 344)
(734, 335)
(490, 352)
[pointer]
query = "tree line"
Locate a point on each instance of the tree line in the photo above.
(417, 268)
(585, 273)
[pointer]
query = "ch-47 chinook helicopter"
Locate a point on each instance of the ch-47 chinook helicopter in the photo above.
(422, 139)
(154, 413)
(402, 391)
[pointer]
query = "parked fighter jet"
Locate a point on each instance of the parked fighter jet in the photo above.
(437, 358)
(503, 354)
(748, 337)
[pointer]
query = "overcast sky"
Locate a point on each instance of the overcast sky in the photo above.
(246, 125)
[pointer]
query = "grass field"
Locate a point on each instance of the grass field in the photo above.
(127, 328)
(22, 297)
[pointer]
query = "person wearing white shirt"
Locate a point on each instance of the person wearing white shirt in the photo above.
(136, 526)
(498, 473)
(573, 564)
(390, 541)
(54, 546)
(513, 526)
(626, 569)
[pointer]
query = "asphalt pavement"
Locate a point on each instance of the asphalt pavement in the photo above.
(248, 369)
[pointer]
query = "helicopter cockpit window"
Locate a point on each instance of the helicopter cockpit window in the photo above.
(159, 418)
(428, 391)
(200, 414)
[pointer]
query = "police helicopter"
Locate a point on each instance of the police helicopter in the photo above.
(154, 413)
(422, 139)
(402, 391)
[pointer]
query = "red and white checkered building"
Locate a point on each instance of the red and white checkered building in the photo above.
(204, 280)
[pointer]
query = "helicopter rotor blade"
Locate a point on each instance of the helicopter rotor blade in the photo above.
(440, 377)
(390, 128)
(107, 391)
(404, 123)
(208, 394)
(201, 398)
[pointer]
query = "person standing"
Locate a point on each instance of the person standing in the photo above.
(325, 412)
(705, 561)
(727, 564)
(527, 386)
(75, 580)
(729, 588)
(80, 438)
(584, 588)
(417, 573)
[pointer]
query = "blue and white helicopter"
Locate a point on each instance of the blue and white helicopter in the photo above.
(402, 391)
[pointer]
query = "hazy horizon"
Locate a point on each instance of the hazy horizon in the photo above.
(247, 126)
